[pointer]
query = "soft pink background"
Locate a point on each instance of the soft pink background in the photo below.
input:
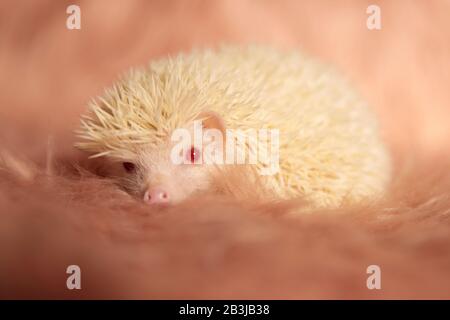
(48, 73)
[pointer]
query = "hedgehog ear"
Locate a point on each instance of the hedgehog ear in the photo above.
(211, 120)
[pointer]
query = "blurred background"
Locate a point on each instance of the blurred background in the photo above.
(48, 73)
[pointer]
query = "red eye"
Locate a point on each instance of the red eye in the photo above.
(193, 155)
(128, 166)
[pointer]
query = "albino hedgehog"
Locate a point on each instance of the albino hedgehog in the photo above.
(330, 151)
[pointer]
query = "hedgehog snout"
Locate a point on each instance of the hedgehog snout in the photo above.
(157, 195)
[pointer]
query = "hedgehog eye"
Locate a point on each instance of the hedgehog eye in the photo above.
(129, 166)
(193, 155)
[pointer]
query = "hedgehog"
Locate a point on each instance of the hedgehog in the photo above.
(329, 150)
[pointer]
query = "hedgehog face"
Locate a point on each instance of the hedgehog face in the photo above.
(157, 180)
(153, 174)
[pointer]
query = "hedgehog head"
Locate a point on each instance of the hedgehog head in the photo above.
(131, 127)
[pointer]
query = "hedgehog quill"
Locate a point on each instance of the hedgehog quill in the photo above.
(329, 149)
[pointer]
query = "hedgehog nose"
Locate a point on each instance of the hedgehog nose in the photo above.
(156, 196)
